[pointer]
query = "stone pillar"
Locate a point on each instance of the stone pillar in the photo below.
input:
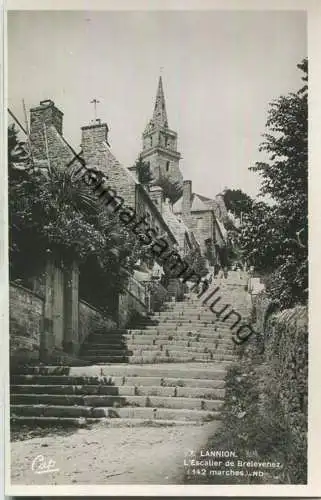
(71, 309)
(58, 305)
(46, 337)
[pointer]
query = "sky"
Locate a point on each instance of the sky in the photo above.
(220, 71)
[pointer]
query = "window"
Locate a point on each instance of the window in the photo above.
(151, 141)
(167, 166)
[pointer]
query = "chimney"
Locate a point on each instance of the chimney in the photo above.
(45, 114)
(187, 198)
(94, 143)
(156, 194)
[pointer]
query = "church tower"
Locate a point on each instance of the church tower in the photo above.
(160, 143)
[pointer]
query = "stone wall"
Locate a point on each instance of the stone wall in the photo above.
(26, 323)
(91, 320)
(27, 326)
(262, 309)
(202, 225)
(132, 302)
(158, 295)
(282, 382)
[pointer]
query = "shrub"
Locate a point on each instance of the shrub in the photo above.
(265, 407)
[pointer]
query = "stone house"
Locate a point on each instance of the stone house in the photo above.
(185, 238)
(97, 155)
(49, 315)
(204, 217)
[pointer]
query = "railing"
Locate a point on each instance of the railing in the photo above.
(149, 293)
(138, 290)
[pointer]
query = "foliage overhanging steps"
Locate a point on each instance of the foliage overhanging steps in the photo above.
(170, 371)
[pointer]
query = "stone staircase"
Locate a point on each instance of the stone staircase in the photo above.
(168, 370)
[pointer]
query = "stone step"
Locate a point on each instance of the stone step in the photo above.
(209, 318)
(185, 322)
(110, 412)
(199, 302)
(165, 341)
(121, 390)
(164, 327)
(199, 339)
(196, 327)
(110, 422)
(189, 334)
(197, 314)
(210, 329)
(203, 305)
(185, 353)
(169, 370)
(107, 350)
(210, 332)
(112, 381)
(107, 358)
(174, 341)
(156, 346)
(157, 357)
(101, 400)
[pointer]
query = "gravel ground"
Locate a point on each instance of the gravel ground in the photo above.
(101, 455)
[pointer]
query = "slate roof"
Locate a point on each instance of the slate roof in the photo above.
(201, 203)
(177, 226)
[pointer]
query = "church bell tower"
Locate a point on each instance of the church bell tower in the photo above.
(160, 143)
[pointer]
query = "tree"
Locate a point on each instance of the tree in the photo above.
(144, 174)
(257, 238)
(274, 237)
(18, 157)
(197, 262)
(237, 201)
(49, 210)
(172, 190)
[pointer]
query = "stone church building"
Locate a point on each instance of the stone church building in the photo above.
(204, 217)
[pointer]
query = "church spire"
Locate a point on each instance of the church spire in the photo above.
(160, 143)
(159, 115)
